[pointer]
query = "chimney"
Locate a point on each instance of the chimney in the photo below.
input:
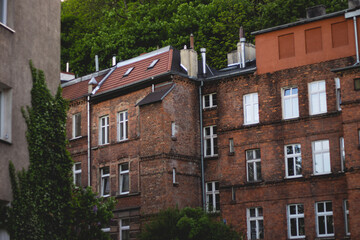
(245, 52)
(242, 43)
(315, 11)
(203, 57)
(96, 63)
(114, 60)
(92, 83)
(67, 67)
(189, 60)
(353, 3)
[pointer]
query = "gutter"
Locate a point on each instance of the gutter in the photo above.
(231, 74)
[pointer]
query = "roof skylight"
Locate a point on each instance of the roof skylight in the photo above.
(153, 63)
(128, 71)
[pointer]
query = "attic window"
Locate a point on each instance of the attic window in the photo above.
(153, 63)
(128, 71)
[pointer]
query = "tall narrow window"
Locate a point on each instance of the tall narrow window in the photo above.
(104, 130)
(342, 153)
(77, 174)
(1, 113)
(212, 197)
(317, 94)
(5, 112)
(123, 126)
(173, 129)
(76, 123)
(209, 100)
(124, 178)
(251, 108)
(174, 175)
(321, 157)
(105, 182)
(324, 219)
(231, 145)
(255, 223)
(293, 160)
(253, 163)
(296, 224)
(357, 84)
(290, 102)
(346, 214)
(210, 141)
(124, 229)
(3, 11)
(338, 94)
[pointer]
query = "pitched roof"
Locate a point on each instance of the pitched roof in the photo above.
(139, 68)
(157, 95)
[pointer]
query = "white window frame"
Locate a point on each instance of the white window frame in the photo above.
(75, 120)
(76, 172)
(231, 145)
(123, 173)
(316, 97)
(3, 15)
(326, 214)
(251, 108)
(211, 100)
(258, 218)
(297, 216)
(321, 153)
(123, 126)
(294, 156)
(173, 129)
(103, 177)
(253, 162)
(212, 139)
(338, 94)
(5, 113)
(174, 176)
(294, 102)
(104, 130)
(123, 227)
(342, 153)
(213, 192)
(346, 215)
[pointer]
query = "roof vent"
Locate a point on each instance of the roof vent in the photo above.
(315, 11)
(153, 63)
(353, 3)
(128, 72)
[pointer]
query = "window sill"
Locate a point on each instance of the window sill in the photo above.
(293, 177)
(175, 184)
(297, 238)
(325, 238)
(127, 195)
(76, 138)
(231, 153)
(213, 157)
(173, 138)
(250, 124)
(320, 174)
(7, 28)
(105, 196)
(5, 141)
(123, 141)
(209, 108)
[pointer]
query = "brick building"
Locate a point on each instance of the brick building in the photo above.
(271, 145)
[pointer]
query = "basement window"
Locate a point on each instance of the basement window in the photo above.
(128, 71)
(153, 63)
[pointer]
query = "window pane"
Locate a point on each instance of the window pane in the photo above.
(321, 85)
(207, 100)
(209, 186)
(106, 186)
(253, 229)
(323, 102)
(78, 179)
(105, 170)
(214, 99)
(207, 131)
(217, 201)
(293, 209)
(315, 103)
(298, 165)
(287, 108)
(258, 171)
(320, 207)
(124, 167)
(329, 224)
(261, 229)
(321, 225)
(287, 92)
(290, 166)
(249, 155)
(297, 148)
(215, 146)
(294, 91)
(216, 185)
(125, 182)
(214, 130)
(208, 147)
(328, 207)
(252, 212)
(260, 211)
(77, 166)
(301, 227)
(257, 153)
(300, 208)
(289, 149)
(125, 235)
(293, 227)
(295, 107)
(251, 171)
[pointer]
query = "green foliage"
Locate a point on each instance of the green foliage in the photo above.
(129, 28)
(45, 203)
(187, 224)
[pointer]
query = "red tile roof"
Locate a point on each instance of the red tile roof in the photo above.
(140, 71)
(77, 88)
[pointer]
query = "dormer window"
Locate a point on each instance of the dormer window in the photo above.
(153, 63)
(128, 71)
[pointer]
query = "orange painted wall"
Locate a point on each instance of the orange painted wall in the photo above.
(268, 51)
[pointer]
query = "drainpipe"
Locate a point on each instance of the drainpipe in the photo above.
(88, 140)
(353, 15)
(202, 148)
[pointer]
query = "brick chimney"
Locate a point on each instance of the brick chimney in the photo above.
(244, 52)
(189, 59)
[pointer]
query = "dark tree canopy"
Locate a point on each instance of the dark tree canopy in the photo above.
(128, 28)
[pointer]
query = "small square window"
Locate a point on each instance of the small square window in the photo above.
(357, 84)
(153, 63)
(128, 71)
(209, 100)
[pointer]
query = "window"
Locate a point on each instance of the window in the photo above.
(105, 182)
(3, 11)
(123, 126)
(233, 194)
(212, 197)
(317, 94)
(209, 100)
(293, 160)
(231, 145)
(251, 108)
(290, 102)
(342, 153)
(324, 219)
(296, 225)
(77, 174)
(124, 229)
(124, 178)
(153, 63)
(357, 84)
(321, 157)
(174, 176)
(253, 163)
(173, 130)
(346, 214)
(104, 130)
(338, 94)
(5, 112)
(210, 143)
(128, 72)
(255, 223)
(76, 123)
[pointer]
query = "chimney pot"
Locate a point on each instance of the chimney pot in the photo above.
(96, 63)
(315, 11)
(191, 41)
(241, 33)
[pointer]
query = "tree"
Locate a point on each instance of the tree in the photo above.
(187, 224)
(45, 203)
